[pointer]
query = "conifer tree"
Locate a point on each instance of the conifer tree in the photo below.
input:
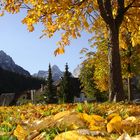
(50, 93)
(65, 87)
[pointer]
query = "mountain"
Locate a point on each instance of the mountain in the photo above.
(7, 63)
(76, 71)
(41, 74)
(56, 73)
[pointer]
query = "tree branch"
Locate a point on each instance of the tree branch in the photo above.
(122, 10)
(120, 5)
(103, 13)
(26, 7)
(91, 16)
(128, 6)
(108, 8)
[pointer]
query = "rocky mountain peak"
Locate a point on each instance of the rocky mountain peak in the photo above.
(55, 68)
(5, 59)
(56, 73)
(7, 63)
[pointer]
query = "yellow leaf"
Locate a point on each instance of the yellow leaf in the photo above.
(129, 126)
(110, 116)
(30, 104)
(22, 117)
(109, 128)
(31, 28)
(96, 123)
(78, 34)
(20, 132)
(73, 34)
(124, 136)
(74, 126)
(97, 118)
(132, 119)
(116, 119)
(59, 51)
(1, 14)
(61, 114)
(74, 135)
(114, 124)
(86, 117)
(95, 128)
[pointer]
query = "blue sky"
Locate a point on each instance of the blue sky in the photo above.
(32, 53)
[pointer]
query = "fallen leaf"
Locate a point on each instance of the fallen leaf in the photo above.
(20, 132)
(74, 135)
(114, 124)
(110, 116)
(97, 118)
(124, 136)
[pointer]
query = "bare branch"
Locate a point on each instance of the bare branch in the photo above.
(128, 6)
(91, 17)
(26, 7)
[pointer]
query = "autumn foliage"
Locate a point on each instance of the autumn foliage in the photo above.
(102, 121)
(70, 17)
(110, 22)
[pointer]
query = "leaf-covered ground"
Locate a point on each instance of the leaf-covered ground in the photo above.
(87, 121)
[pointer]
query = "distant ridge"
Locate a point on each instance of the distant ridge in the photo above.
(7, 63)
(56, 73)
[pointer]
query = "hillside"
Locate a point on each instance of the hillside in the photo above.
(7, 63)
(13, 82)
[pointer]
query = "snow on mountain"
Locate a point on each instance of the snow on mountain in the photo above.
(7, 63)
(56, 73)
(76, 71)
(41, 74)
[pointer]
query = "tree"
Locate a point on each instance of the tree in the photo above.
(99, 60)
(86, 78)
(130, 64)
(113, 23)
(72, 16)
(50, 93)
(127, 53)
(88, 83)
(86, 75)
(66, 93)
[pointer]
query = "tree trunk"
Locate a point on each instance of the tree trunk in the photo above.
(129, 88)
(129, 79)
(115, 79)
(113, 23)
(110, 70)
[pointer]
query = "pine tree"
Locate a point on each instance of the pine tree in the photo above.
(66, 95)
(50, 93)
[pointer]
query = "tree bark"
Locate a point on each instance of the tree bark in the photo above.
(129, 79)
(115, 79)
(129, 88)
(110, 70)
